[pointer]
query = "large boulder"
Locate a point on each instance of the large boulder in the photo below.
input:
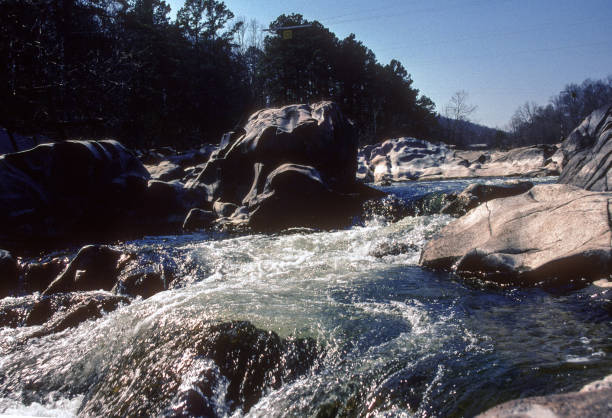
(66, 189)
(552, 232)
(588, 153)
(313, 145)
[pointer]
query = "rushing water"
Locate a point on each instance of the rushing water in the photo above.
(393, 339)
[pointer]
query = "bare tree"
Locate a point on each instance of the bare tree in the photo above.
(457, 111)
(458, 107)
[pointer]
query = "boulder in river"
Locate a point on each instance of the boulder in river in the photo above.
(94, 267)
(313, 145)
(210, 370)
(588, 153)
(552, 232)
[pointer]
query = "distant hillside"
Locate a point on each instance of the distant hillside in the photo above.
(467, 134)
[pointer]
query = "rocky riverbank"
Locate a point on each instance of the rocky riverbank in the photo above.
(288, 167)
(404, 159)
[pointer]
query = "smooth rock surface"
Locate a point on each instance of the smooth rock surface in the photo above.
(406, 158)
(476, 194)
(551, 232)
(588, 153)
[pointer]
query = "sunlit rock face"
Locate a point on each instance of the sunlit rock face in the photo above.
(588, 153)
(552, 232)
(298, 161)
(406, 158)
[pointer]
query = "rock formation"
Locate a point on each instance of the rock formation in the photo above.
(588, 153)
(293, 166)
(552, 232)
(404, 159)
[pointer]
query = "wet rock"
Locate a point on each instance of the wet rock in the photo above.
(145, 275)
(57, 312)
(38, 276)
(15, 310)
(9, 273)
(592, 401)
(94, 267)
(223, 209)
(392, 248)
(60, 190)
(587, 153)
(165, 171)
(213, 369)
(82, 307)
(317, 138)
(476, 194)
(198, 219)
(553, 233)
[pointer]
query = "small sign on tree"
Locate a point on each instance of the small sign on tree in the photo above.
(288, 34)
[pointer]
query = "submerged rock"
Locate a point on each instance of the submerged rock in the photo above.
(588, 153)
(82, 307)
(313, 145)
(477, 194)
(56, 312)
(211, 369)
(552, 232)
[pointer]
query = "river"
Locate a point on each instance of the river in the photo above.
(393, 339)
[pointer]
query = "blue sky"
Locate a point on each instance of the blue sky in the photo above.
(502, 52)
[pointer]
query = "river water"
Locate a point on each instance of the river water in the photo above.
(393, 339)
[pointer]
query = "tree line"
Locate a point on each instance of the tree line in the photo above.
(125, 69)
(551, 123)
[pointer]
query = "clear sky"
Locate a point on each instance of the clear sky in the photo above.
(502, 52)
